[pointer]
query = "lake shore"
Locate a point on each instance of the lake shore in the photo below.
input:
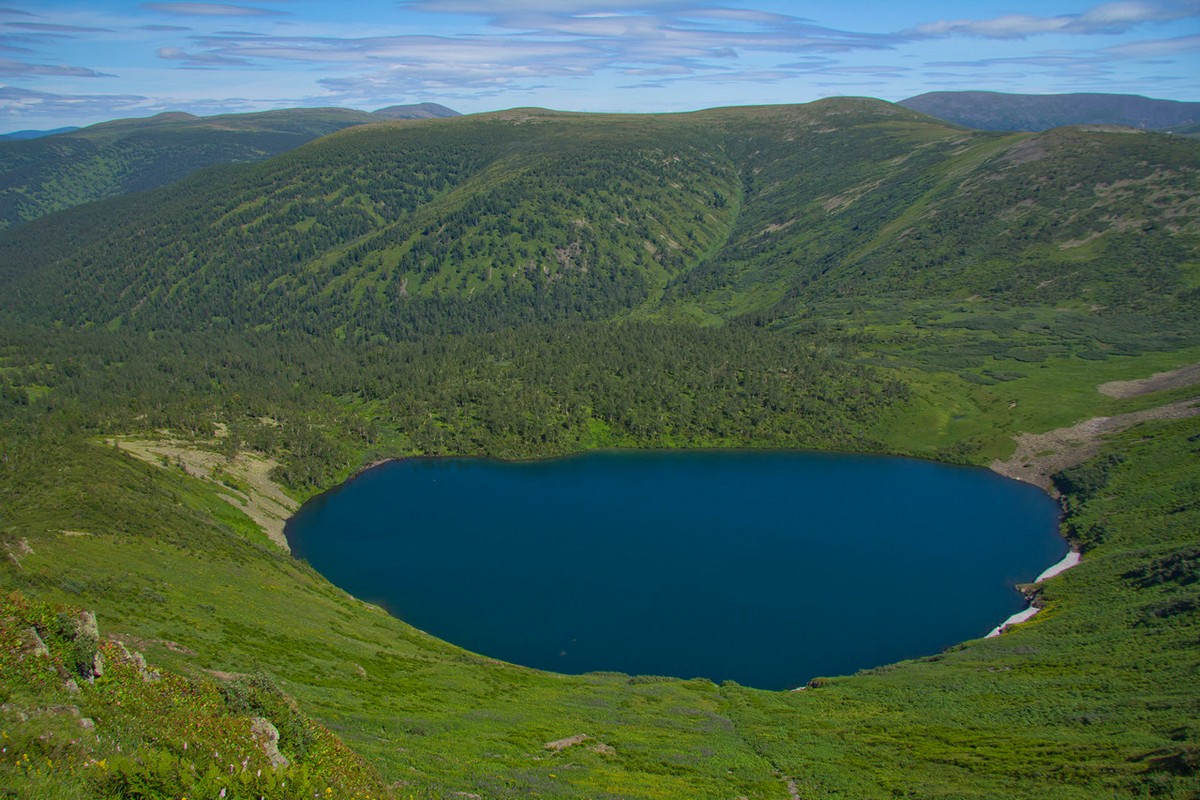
(1069, 560)
(1039, 455)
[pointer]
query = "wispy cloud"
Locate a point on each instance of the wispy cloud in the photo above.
(1079, 63)
(677, 53)
(1108, 18)
(212, 10)
(1154, 47)
(531, 40)
(486, 8)
(16, 69)
(521, 44)
(20, 103)
(48, 27)
(8, 46)
(199, 59)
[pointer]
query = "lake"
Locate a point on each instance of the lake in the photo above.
(766, 568)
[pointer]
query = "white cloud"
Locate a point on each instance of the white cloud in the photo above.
(198, 59)
(49, 27)
(1152, 48)
(491, 8)
(1108, 18)
(11, 69)
(19, 103)
(211, 10)
(547, 40)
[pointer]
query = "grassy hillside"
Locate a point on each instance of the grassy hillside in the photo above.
(42, 175)
(844, 275)
(85, 716)
(764, 214)
(1091, 699)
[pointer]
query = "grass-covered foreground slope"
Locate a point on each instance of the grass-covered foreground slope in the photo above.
(87, 716)
(1091, 699)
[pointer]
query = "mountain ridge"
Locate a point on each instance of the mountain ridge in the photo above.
(36, 134)
(535, 215)
(121, 156)
(1031, 112)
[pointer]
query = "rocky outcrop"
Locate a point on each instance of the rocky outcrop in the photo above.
(267, 736)
(32, 644)
(139, 662)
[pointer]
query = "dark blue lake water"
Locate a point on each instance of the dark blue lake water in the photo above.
(768, 568)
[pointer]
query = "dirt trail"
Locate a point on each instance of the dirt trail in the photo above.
(1176, 378)
(1040, 455)
(262, 500)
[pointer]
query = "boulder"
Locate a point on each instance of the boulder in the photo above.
(267, 735)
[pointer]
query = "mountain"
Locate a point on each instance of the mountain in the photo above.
(493, 220)
(31, 134)
(415, 111)
(58, 171)
(997, 111)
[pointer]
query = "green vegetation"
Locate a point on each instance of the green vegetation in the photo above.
(88, 718)
(530, 283)
(39, 176)
(324, 409)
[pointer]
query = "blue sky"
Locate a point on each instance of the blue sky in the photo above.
(75, 62)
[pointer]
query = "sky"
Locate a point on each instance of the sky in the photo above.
(77, 62)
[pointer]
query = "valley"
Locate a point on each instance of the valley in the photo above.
(846, 275)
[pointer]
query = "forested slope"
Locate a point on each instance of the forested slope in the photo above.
(46, 174)
(482, 222)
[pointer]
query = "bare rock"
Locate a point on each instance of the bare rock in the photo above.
(138, 661)
(32, 644)
(86, 627)
(15, 710)
(83, 630)
(267, 735)
(559, 745)
(16, 550)
(63, 709)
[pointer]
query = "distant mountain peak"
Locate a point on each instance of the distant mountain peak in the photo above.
(174, 116)
(34, 134)
(998, 111)
(416, 111)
